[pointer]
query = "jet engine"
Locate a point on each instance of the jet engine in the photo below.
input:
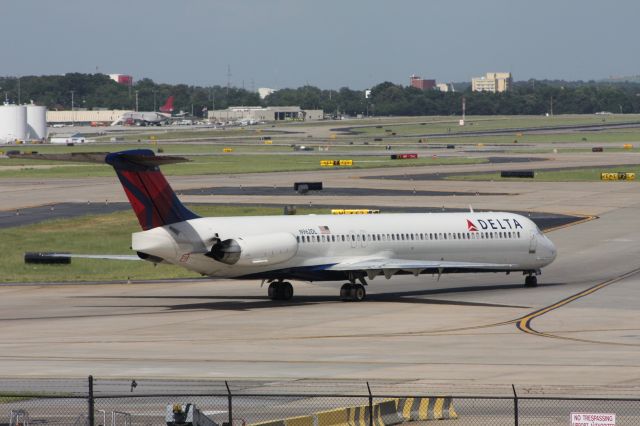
(255, 250)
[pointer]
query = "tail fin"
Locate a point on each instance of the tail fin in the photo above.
(168, 105)
(149, 193)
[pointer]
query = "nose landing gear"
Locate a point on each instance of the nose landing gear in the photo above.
(531, 281)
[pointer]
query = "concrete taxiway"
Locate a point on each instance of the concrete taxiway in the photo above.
(459, 329)
(579, 327)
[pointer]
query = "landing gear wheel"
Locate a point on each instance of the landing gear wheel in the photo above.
(273, 291)
(286, 291)
(345, 292)
(280, 290)
(531, 281)
(352, 292)
(358, 293)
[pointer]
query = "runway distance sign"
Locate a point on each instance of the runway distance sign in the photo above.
(617, 176)
(332, 163)
(593, 419)
(354, 211)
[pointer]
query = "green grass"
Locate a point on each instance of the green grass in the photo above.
(482, 123)
(97, 234)
(574, 175)
(225, 164)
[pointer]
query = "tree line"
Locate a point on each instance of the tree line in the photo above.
(533, 97)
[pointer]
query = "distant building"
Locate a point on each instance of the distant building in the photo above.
(124, 79)
(367, 93)
(443, 87)
(419, 83)
(492, 82)
(84, 116)
(257, 114)
(263, 92)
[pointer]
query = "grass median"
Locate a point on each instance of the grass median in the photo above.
(97, 234)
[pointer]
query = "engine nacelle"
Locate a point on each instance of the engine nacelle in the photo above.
(255, 250)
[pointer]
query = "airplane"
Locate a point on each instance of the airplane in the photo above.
(351, 248)
(168, 109)
(142, 118)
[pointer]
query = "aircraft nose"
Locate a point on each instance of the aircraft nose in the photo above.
(548, 250)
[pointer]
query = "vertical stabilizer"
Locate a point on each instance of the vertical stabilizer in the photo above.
(168, 106)
(149, 193)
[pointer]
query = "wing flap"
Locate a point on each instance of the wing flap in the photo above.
(390, 266)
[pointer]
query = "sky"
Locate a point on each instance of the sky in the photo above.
(328, 44)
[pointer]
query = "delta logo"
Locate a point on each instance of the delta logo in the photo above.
(495, 224)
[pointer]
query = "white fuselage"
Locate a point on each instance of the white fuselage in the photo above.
(273, 245)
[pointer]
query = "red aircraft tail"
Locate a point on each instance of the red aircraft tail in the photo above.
(149, 193)
(168, 106)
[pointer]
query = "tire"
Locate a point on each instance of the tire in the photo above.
(286, 291)
(273, 291)
(345, 292)
(531, 281)
(358, 293)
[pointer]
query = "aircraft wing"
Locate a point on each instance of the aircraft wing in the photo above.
(389, 266)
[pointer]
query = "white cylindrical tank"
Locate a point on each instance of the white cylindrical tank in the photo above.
(13, 123)
(36, 122)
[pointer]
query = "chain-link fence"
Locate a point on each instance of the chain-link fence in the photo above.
(249, 403)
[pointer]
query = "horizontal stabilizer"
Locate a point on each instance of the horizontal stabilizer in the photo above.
(99, 158)
(78, 157)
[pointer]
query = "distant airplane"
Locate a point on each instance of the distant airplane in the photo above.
(352, 248)
(142, 118)
(167, 108)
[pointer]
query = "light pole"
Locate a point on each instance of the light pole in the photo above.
(154, 100)
(136, 101)
(73, 115)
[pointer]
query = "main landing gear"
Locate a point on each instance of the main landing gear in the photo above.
(280, 290)
(531, 281)
(352, 292)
